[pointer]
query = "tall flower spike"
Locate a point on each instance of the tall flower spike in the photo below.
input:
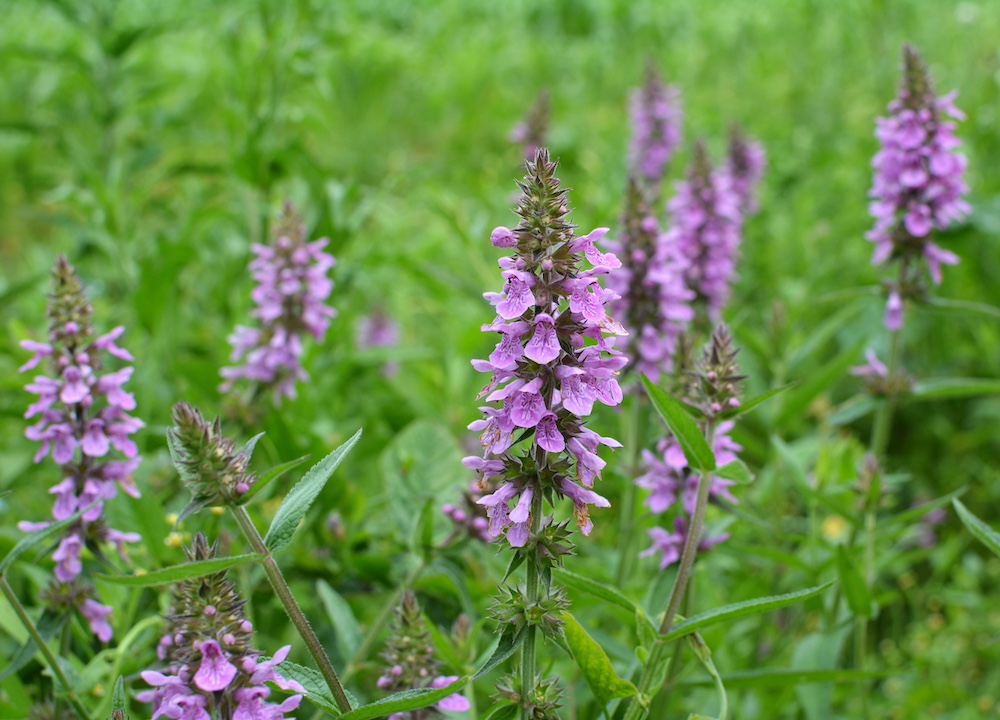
(655, 111)
(918, 185)
(83, 419)
(290, 294)
(553, 362)
(705, 225)
(655, 304)
(532, 132)
(212, 666)
(209, 464)
(744, 166)
(410, 663)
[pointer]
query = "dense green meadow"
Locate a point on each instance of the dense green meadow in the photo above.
(152, 143)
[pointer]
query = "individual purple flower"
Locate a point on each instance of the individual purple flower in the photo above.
(706, 225)
(292, 286)
(212, 668)
(655, 303)
(744, 166)
(379, 330)
(552, 364)
(877, 379)
(81, 418)
(532, 132)
(655, 111)
(918, 186)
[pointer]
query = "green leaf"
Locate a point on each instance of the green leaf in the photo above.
(594, 664)
(298, 500)
(986, 535)
(41, 536)
(118, 696)
(403, 701)
(941, 388)
(697, 452)
(796, 404)
(504, 712)
(964, 306)
(509, 642)
(754, 402)
(424, 535)
(742, 609)
(608, 594)
(783, 677)
(184, 571)
(246, 452)
(48, 627)
(858, 597)
(316, 690)
(919, 511)
(852, 409)
(273, 474)
(737, 471)
(346, 628)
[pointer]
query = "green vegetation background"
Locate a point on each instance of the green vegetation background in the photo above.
(152, 142)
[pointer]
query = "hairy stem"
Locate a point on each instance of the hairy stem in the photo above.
(533, 596)
(46, 651)
(292, 609)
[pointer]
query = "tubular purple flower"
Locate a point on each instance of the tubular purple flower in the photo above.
(655, 111)
(290, 294)
(918, 184)
(706, 225)
(82, 417)
(553, 362)
(670, 545)
(655, 302)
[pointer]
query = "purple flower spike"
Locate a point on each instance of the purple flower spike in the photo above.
(655, 302)
(744, 166)
(918, 186)
(656, 128)
(706, 225)
(82, 418)
(553, 362)
(290, 294)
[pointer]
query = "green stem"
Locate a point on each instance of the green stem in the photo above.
(885, 410)
(627, 526)
(532, 598)
(640, 703)
(292, 609)
(46, 651)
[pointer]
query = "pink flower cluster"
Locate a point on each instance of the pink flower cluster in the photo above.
(82, 420)
(654, 303)
(187, 693)
(667, 477)
(655, 111)
(292, 287)
(918, 185)
(551, 365)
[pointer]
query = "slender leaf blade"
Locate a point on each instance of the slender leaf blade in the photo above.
(509, 642)
(301, 497)
(404, 701)
(316, 690)
(348, 632)
(184, 571)
(737, 471)
(783, 677)
(41, 536)
(983, 532)
(273, 474)
(742, 609)
(697, 452)
(118, 696)
(594, 664)
(755, 401)
(858, 596)
(944, 388)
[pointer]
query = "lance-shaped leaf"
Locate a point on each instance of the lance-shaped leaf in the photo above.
(986, 535)
(273, 474)
(510, 641)
(118, 696)
(755, 401)
(737, 471)
(784, 677)
(316, 690)
(855, 590)
(48, 627)
(940, 388)
(594, 664)
(301, 497)
(404, 701)
(184, 571)
(697, 452)
(742, 609)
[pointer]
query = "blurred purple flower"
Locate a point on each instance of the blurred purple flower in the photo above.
(655, 111)
(918, 185)
(744, 166)
(290, 294)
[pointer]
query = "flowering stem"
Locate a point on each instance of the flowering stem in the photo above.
(532, 597)
(639, 705)
(50, 659)
(292, 609)
(633, 444)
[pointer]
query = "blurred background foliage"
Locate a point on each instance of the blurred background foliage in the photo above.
(153, 142)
